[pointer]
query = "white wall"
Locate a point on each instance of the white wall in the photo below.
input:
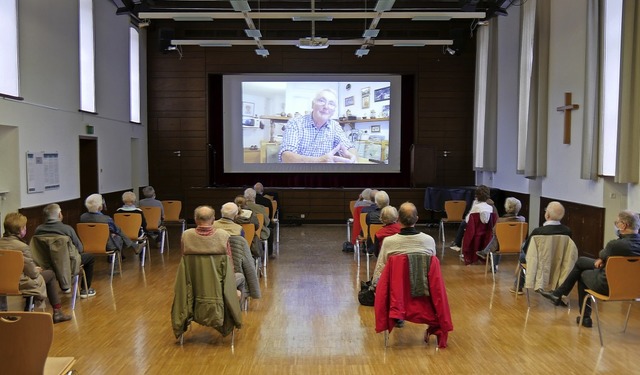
(48, 118)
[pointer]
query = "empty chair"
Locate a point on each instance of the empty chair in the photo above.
(455, 214)
(130, 225)
(624, 286)
(94, 237)
(26, 339)
(352, 206)
(172, 211)
(152, 216)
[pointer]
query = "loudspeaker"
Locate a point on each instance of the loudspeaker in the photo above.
(423, 166)
(164, 39)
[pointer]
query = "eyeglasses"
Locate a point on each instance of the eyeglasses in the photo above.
(325, 102)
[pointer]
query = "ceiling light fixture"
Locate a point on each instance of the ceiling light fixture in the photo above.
(370, 33)
(262, 52)
(432, 18)
(450, 51)
(192, 18)
(213, 44)
(253, 33)
(384, 5)
(240, 5)
(410, 44)
(144, 23)
(312, 18)
(362, 52)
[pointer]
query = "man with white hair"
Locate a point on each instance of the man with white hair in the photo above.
(266, 202)
(228, 212)
(117, 240)
(364, 199)
(151, 201)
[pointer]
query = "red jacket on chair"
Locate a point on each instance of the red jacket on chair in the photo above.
(356, 224)
(477, 236)
(394, 301)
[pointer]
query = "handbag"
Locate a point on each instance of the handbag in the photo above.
(367, 294)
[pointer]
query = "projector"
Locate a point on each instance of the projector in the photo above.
(313, 43)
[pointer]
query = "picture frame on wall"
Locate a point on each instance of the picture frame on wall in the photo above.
(248, 109)
(366, 95)
(375, 128)
(382, 94)
(349, 101)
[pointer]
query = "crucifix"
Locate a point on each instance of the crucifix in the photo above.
(567, 108)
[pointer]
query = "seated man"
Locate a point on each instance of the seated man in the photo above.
(552, 215)
(409, 240)
(246, 216)
(250, 196)
(129, 207)
(266, 202)
(34, 281)
(53, 225)
(228, 212)
(589, 273)
(364, 199)
(117, 240)
(151, 201)
(206, 236)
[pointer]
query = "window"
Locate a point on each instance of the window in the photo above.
(87, 57)
(10, 82)
(134, 75)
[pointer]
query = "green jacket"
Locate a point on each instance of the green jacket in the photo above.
(205, 292)
(57, 252)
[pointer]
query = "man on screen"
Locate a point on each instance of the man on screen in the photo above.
(316, 138)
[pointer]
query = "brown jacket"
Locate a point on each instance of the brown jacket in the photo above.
(31, 282)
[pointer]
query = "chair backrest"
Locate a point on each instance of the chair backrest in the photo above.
(261, 222)
(26, 339)
(267, 212)
(622, 277)
(373, 229)
(94, 237)
(129, 224)
(152, 216)
(455, 209)
(11, 266)
(249, 232)
(511, 235)
(274, 208)
(352, 206)
(172, 210)
(363, 225)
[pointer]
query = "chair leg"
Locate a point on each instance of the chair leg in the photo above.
(386, 338)
(278, 238)
(28, 303)
(441, 235)
(626, 320)
(75, 291)
(368, 278)
(265, 245)
(113, 264)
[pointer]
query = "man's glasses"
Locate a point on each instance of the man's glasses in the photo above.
(325, 102)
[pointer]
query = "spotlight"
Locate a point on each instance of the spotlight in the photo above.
(450, 51)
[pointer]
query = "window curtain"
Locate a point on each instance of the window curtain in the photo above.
(486, 103)
(593, 79)
(533, 90)
(628, 156)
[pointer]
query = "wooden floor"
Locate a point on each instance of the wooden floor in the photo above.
(309, 322)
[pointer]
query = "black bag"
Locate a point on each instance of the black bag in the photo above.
(367, 294)
(347, 247)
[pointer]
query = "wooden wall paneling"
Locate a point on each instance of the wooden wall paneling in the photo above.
(586, 223)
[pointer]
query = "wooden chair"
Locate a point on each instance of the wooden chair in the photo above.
(624, 286)
(26, 339)
(352, 207)
(11, 266)
(94, 237)
(152, 216)
(250, 232)
(510, 236)
(172, 211)
(265, 252)
(130, 225)
(373, 229)
(455, 214)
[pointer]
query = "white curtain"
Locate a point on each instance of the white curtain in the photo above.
(486, 104)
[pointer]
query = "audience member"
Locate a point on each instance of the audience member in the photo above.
(266, 202)
(408, 240)
(590, 273)
(512, 207)
(150, 200)
(246, 216)
(553, 213)
(118, 241)
(389, 217)
(53, 225)
(204, 238)
(228, 212)
(480, 205)
(34, 281)
(250, 196)
(129, 207)
(373, 213)
(364, 199)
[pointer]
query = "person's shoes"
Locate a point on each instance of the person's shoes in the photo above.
(455, 248)
(399, 323)
(481, 255)
(137, 248)
(586, 322)
(514, 291)
(551, 297)
(84, 293)
(66, 291)
(59, 316)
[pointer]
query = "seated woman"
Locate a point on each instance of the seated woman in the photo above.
(483, 205)
(129, 207)
(512, 207)
(34, 280)
(389, 217)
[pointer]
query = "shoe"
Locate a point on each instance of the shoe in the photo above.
(514, 291)
(66, 291)
(586, 322)
(59, 316)
(87, 293)
(137, 248)
(481, 255)
(551, 297)
(455, 248)
(399, 323)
